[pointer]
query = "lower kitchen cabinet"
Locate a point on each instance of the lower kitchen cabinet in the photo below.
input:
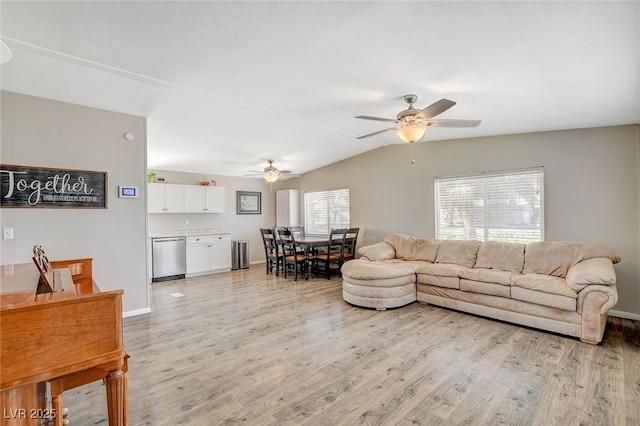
(208, 254)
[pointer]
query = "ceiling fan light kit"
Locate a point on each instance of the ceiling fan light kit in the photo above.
(412, 124)
(270, 173)
(271, 176)
(411, 132)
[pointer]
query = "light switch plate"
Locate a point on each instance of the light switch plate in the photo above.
(7, 233)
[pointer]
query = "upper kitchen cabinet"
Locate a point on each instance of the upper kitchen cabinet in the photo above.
(165, 198)
(203, 199)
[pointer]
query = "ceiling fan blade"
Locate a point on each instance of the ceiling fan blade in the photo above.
(284, 172)
(254, 174)
(367, 117)
(256, 171)
(453, 123)
(436, 108)
(376, 133)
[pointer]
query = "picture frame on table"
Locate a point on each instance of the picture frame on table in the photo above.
(248, 202)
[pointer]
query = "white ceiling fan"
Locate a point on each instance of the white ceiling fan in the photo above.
(270, 173)
(411, 124)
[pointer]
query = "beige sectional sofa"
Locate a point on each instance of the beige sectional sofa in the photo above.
(564, 287)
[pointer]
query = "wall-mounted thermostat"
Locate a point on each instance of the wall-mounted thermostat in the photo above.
(128, 191)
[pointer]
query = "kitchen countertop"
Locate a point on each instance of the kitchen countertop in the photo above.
(186, 232)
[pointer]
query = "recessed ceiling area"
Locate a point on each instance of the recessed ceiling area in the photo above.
(226, 86)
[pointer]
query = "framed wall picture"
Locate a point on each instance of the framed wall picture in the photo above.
(248, 202)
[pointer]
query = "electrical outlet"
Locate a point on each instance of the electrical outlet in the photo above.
(7, 233)
(186, 221)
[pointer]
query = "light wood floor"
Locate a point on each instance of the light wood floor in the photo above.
(244, 347)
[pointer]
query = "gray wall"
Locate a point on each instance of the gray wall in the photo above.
(241, 227)
(591, 187)
(40, 132)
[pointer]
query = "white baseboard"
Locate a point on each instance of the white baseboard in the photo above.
(136, 312)
(622, 314)
(255, 262)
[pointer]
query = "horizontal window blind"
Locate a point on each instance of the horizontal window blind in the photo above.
(326, 210)
(506, 206)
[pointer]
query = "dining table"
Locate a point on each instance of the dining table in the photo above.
(310, 244)
(313, 241)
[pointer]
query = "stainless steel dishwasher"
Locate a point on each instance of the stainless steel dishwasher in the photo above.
(169, 258)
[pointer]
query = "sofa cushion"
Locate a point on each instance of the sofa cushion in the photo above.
(555, 258)
(441, 269)
(501, 255)
(544, 283)
(410, 248)
(458, 252)
(365, 270)
(425, 249)
(544, 299)
(378, 251)
(591, 271)
(401, 243)
(439, 281)
(488, 275)
(485, 288)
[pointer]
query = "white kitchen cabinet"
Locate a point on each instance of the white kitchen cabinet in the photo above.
(165, 198)
(197, 258)
(214, 199)
(288, 207)
(208, 254)
(203, 199)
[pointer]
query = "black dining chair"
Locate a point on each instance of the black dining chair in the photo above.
(294, 260)
(298, 231)
(350, 240)
(330, 255)
(272, 251)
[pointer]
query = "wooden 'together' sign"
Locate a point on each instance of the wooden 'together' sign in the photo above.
(24, 186)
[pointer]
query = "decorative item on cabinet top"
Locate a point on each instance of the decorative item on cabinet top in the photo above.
(176, 198)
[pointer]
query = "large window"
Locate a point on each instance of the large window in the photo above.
(326, 210)
(505, 206)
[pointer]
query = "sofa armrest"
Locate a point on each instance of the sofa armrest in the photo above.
(596, 271)
(597, 298)
(377, 251)
(594, 301)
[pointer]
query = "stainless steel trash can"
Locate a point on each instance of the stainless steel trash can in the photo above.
(234, 255)
(243, 254)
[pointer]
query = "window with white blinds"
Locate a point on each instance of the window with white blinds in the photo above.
(326, 210)
(506, 206)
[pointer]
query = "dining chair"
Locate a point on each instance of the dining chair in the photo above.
(272, 251)
(294, 260)
(332, 254)
(298, 232)
(350, 241)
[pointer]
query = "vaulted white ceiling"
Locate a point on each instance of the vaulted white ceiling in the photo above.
(228, 85)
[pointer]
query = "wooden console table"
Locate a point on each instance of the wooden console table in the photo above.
(58, 339)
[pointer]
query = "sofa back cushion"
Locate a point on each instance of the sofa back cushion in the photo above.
(410, 248)
(401, 243)
(459, 252)
(425, 249)
(501, 255)
(377, 251)
(556, 257)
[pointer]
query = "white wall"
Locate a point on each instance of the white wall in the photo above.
(241, 227)
(45, 133)
(591, 187)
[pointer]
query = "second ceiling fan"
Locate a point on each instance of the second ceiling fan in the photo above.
(411, 124)
(270, 173)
